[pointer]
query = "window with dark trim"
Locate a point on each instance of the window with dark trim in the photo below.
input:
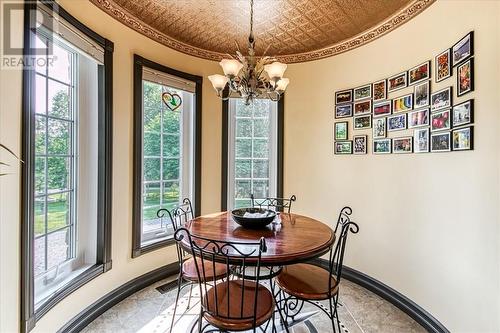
(252, 151)
(167, 134)
(67, 105)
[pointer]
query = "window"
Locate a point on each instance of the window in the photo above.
(252, 152)
(166, 110)
(66, 126)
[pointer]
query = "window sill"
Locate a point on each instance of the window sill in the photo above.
(152, 247)
(86, 276)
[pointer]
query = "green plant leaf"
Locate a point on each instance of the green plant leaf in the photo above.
(11, 152)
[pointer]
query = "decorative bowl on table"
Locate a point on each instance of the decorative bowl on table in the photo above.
(253, 218)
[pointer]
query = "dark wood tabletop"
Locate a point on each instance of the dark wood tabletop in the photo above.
(298, 238)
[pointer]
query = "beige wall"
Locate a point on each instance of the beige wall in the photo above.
(429, 223)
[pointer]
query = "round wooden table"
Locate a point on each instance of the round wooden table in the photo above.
(298, 238)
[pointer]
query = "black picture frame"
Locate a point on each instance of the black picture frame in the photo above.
(393, 86)
(455, 109)
(343, 142)
(29, 316)
(357, 119)
(456, 46)
(383, 95)
(444, 134)
(417, 98)
(347, 106)
(421, 79)
(341, 99)
(461, 92)
(448, 119)
(447, 104)
(455, 137)
(364, 97)
(416, 137)
(403, 98)
(362, 138)
(388, 142)
(396, 150)
(335, 131)
(448, 66)
(139, 63)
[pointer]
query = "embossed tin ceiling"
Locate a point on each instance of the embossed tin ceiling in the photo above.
(296, 30)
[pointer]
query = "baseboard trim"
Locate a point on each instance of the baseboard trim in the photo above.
(81, 320)
(424, 318)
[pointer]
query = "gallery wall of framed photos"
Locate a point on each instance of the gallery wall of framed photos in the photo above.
(404, 114)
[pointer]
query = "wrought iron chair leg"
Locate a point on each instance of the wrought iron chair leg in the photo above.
(179, 283)
(189, 298)
(335, 304)
(278, 308)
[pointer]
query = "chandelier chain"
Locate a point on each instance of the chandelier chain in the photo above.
(251, 18)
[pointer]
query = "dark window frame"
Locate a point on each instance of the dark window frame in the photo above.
(29, 316)
(139, 63)
(225, 153)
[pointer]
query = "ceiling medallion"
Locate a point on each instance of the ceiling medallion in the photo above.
(115, 9)
(245, 74)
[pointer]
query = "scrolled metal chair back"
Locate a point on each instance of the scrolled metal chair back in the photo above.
(337, 253)
(344, 217)
(178, 216)
(279, 204)
(206, 253)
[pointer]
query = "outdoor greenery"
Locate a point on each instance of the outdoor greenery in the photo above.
(52, 139)
(161, 127)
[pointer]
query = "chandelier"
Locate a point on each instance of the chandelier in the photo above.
(244, 75)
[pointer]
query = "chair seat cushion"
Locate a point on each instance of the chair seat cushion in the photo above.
(238, 295)
(306, 281)
(189, 270)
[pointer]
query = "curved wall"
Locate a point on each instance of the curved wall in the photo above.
(429, 223)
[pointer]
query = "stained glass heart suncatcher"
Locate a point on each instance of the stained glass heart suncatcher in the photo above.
(172, 101)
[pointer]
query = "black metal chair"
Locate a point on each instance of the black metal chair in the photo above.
(188, 276)
(235, 304)
(278, 204)
(310, 283)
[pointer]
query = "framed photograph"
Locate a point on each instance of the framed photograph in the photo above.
(402, 145)
(465, 77)
(440, 142)
(343, 147)
(363, 92)
(441, 99)
(421, 140)
(382, 146)
(402, 104)
(363, 122)
(379, 128)
(463, 113)
(396, 123)
(382, 108)
(343, 111)
(421, 95)
(463, 49)
(396, 82)
(418, 118)
(363, 107)
(344, 96)
(463, 138)
(340, 130)
(379, 90)
(440, 121)
(360, 143)
(442, 65)
(419, 73)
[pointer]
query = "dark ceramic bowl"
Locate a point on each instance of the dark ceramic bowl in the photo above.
(253, 218)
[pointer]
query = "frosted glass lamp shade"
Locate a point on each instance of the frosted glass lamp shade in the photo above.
(231, 67)
(218, 81)
(282, 84)
(275, 70)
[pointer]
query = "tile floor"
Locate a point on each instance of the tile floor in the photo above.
(149, 311)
